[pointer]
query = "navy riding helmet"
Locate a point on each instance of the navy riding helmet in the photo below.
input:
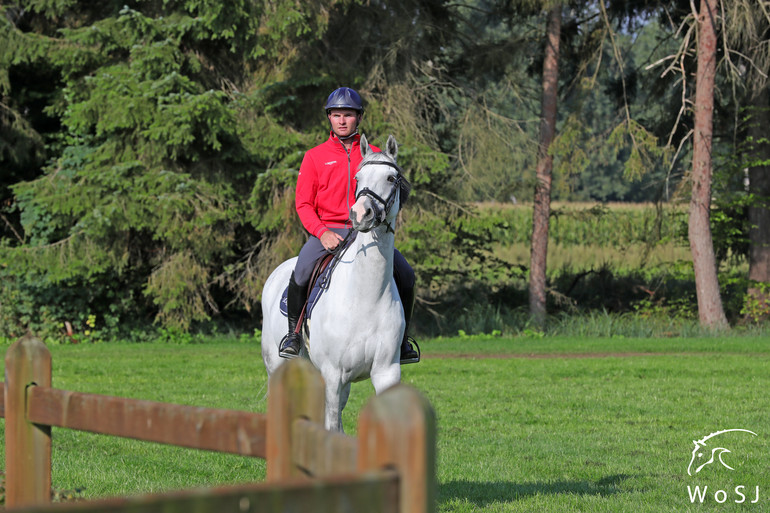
(344, 98)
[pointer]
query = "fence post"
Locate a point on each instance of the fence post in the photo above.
(27, 445)
(295, 391)
(397, 429)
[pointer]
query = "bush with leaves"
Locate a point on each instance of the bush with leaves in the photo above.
(146, 202)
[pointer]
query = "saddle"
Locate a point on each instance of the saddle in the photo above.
(320, 279)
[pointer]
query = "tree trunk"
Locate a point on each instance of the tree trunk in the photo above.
(710, 310)
(758, 298)
(542, 204)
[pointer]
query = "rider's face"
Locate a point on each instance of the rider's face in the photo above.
(343, 121)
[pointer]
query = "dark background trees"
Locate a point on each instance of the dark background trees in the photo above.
(149, 149)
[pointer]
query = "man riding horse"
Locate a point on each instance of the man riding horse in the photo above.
(326, 189)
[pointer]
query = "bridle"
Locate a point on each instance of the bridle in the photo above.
(382, 206)
(401, 186)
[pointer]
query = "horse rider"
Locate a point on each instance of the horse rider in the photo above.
(326, 189)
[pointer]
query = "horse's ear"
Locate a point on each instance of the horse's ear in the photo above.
(391, 147)
(365, 149)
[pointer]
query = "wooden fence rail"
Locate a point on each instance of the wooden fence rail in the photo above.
(231, 431)
(375, 492)
(388, 467)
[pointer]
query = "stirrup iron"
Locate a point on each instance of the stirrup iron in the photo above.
(412, 342)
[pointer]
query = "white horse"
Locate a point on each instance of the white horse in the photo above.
(358, 323)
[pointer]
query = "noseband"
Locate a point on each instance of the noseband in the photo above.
(382, 206)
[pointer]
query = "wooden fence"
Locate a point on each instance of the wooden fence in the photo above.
(388, 467)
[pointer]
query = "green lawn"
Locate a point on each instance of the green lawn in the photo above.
(556, 434)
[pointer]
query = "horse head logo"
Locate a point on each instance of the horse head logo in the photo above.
(700, 452)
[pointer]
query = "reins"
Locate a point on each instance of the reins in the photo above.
(400, 185)
(337, 255)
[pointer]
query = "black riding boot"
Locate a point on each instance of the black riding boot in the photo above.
(295, 300)
(408, 353)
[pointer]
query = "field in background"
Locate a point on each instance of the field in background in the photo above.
(624, 268)
(627, 262)
(563, 258)
(544, 424)
(620, 236)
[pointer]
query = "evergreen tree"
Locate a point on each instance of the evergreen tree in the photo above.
(165, 109)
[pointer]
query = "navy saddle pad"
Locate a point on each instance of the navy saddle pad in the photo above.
(321, 282)
(315, 293)
(319, 286)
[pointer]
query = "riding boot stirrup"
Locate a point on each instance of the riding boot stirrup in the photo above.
(408, 352)
(290, 346)
(295, 301)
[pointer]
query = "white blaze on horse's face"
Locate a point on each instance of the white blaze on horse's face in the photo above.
(368, 211)
(378, 187)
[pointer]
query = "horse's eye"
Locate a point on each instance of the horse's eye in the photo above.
(391, 179)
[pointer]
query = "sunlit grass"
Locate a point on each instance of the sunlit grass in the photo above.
(563, 258)
(215, 375)
(516, 434)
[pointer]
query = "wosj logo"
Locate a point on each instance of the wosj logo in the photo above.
(709, 454)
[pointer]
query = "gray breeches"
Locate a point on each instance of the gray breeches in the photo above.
(314, 250)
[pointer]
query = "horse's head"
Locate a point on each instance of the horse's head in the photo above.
(381, 190)
(703, 455)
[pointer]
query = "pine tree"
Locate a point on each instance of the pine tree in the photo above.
(164, 109)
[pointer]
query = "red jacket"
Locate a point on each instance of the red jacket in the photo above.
(323, 197)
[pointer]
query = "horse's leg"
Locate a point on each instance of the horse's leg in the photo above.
(385, 377)
(337, 394)
(274, 324)
(344, 394)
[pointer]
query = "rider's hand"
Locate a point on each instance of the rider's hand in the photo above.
(330, 240)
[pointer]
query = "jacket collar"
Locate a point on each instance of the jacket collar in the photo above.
(336, 140)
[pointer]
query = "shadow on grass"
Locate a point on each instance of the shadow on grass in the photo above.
(484, 493)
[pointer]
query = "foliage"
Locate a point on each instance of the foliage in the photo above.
(174, 336)
(732, 200)
(149, 149)
(756, 303)
(452, 252)
(646, 154)
(147, 182)
(577, 224)
(177, 130)
(71, 311)
(625, 283)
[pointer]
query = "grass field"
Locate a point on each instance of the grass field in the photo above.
(552, 424)
(563, 258)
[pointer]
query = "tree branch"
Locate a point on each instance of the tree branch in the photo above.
(13, 229)
(448, 202)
